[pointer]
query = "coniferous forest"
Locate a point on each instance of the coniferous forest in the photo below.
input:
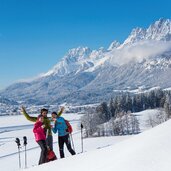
(117, 117)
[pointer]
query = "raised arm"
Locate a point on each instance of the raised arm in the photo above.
(28, 117)
(61, 111)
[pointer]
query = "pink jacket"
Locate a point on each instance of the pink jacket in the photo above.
(39, 132)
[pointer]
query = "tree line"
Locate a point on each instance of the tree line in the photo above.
(116, 118)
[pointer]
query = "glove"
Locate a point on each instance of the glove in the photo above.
(23, 110)
(43, 126)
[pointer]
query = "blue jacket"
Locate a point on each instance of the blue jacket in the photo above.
(60, 127)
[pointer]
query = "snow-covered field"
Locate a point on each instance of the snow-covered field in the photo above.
(144, 116)
(17, 126)
(119, 152)
(149, 151)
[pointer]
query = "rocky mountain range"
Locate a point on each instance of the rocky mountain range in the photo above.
(86, 76)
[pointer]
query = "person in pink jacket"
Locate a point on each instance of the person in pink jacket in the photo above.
(40, 137)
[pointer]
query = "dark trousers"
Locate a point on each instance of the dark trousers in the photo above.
(65, 139)
(49, 141)
(43, 154)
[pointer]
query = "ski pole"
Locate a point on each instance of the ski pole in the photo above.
(25, 144)
(18, 144)
(82, 137)
(72, 142)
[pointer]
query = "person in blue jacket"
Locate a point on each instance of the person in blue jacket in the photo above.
(60, 126)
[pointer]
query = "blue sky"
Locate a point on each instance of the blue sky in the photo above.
(35, 34)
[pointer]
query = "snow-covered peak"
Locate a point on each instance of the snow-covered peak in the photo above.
(102, 49)
(77, 54)
(113, 45)
(158, 31)
(76, 60)
(136, 35)
(73, 61)
(141, 43)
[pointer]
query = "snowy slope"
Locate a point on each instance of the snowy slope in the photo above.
(149, 151)
(143, 118)
(18, 126)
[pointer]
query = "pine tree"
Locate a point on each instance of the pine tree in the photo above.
(112, 108)
(128, 103)
(167, 105)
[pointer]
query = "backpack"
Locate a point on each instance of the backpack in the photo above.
(69, 127)
(51, 156)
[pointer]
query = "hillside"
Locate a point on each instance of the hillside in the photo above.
(149, 151)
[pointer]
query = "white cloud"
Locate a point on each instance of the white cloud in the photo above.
(139, 51)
